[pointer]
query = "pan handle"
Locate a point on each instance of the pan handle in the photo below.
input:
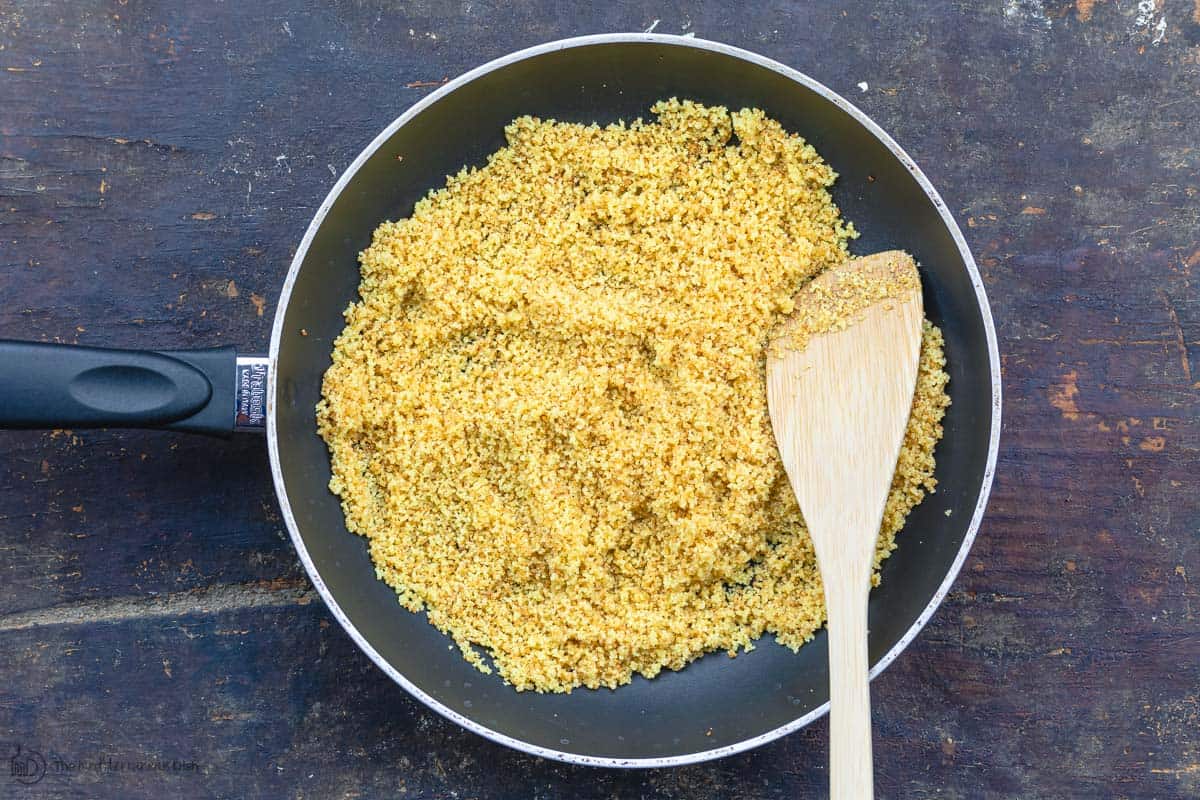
(213, 392)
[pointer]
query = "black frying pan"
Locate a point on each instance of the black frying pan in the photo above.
(716, 706)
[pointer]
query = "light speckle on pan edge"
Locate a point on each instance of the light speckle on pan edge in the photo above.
(547, 413)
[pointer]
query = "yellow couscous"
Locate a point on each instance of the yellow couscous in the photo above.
(835, 299)
(547, 413)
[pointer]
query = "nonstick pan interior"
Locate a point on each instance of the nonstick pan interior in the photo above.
(716, 705)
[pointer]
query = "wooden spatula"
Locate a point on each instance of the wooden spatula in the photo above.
(841, 371)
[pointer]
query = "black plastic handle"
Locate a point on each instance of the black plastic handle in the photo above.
(68, 386)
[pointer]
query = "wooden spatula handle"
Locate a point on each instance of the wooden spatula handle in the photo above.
(839, 402)
(850, 771)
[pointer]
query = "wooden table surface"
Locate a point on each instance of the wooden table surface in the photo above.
(159, 161)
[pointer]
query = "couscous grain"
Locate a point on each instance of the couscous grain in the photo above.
(547, 413)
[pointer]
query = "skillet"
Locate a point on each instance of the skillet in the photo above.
(716, 706)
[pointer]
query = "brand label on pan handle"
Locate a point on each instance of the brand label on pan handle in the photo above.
(251, 393)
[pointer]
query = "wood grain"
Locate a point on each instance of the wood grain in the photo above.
(143, 202)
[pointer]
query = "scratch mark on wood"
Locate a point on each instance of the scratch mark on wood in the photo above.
(1190, 769)
(209, 600)
(1180, 341)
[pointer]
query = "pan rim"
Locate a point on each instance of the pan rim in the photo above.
(675, 41)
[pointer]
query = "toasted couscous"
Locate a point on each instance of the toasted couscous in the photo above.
(838, 297)
(547, 413)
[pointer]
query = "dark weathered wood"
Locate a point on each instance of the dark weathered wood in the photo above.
(159, 161)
